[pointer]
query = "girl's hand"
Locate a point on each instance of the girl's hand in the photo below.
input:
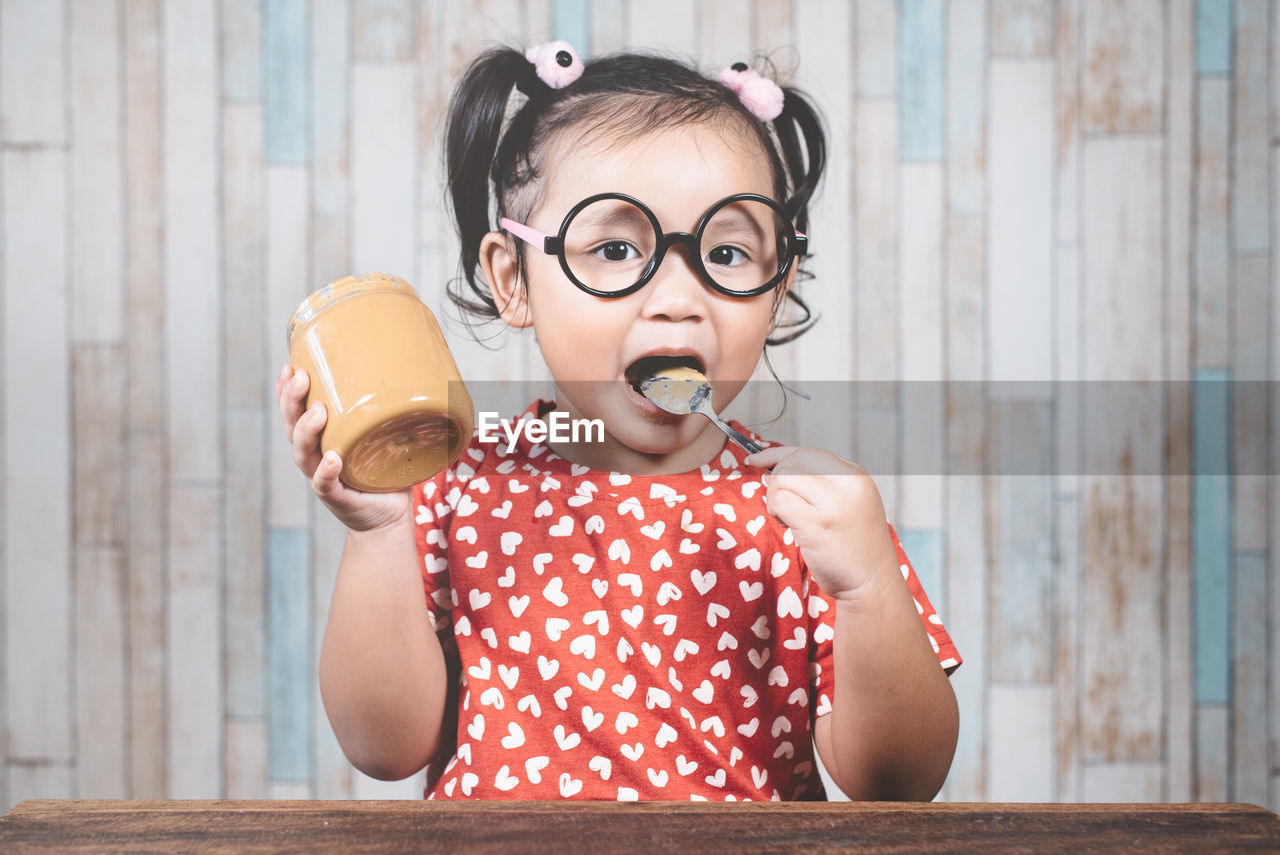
(356, 510)
(834, 510)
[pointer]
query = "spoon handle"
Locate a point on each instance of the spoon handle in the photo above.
(745, 443)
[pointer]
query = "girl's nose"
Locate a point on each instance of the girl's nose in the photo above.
(676, 291)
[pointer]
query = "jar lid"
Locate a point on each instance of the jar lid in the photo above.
(348, 286)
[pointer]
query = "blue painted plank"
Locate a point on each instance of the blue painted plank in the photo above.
(920, 57)
(924, 551)
(1213, 36)
(571, 22)
(286, 36)
(289, 669)
(1211, 552)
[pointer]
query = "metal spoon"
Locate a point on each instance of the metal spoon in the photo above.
(682, 390)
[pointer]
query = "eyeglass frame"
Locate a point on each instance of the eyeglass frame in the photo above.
(797, 243)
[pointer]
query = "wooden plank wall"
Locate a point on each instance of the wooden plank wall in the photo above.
(1033, 207)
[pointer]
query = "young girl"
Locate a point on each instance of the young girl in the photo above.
(656, 614)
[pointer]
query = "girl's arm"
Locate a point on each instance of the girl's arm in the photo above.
(892, 729)
(382, 671)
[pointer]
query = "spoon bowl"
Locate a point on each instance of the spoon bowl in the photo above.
(681, 390)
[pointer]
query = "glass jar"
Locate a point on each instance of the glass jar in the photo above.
(398, 412)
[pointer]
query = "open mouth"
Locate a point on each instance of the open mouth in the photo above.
(647, 366)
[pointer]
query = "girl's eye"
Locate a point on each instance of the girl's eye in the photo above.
(726, 256)
(617, 250)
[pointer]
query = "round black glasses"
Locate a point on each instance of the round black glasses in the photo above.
(611, 244)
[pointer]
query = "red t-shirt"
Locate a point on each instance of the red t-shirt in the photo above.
(626, 637)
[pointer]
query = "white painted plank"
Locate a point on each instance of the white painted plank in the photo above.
(246, 758)
(966, 568)
(1251, 216)
(1179, 167)
(966, 106)
(1212, 752)
(1020, 222)
(1123, 782)
(1123, 295)
(875, 48)
(144, 216)
(665, 25)
(1211, 224)
(246, 367)
(146, 555)
(1022, 28)
(41, 780)
(1066, 53)
(287, 285)
(383, 30)
(1020, 743)
(332, 771)
(244, 597)
(774, 35)
(33, 78)
(97, 211)
(241, 50)
(384, 157)
(536, 24)
(724, 33)
(1123, 65)
(37, 453)
(98, 451)
(101, 685)
(191, 262)
(194, 664)
(1067, 325)
(876, 216)
(148, 452)
(608, 33)
(824, 355)
(920, 332)
(1251, 336)
(1066, 651)
(1250, 768)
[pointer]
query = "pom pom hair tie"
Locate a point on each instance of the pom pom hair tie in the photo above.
(556, 63)
(761, 96)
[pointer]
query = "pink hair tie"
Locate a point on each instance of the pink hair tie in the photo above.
(556, 63)
(761, 96)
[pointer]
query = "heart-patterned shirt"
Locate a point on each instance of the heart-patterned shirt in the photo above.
(625, 637)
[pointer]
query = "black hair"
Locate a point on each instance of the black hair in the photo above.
(493, 162)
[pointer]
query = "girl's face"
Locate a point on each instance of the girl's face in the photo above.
(592, 344)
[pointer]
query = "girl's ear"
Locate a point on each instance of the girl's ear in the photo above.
(498, 264)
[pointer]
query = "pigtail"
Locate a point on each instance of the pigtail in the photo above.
(804, 151)
(472, 132)
(803, 147)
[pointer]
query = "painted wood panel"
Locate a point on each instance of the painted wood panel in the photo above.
(966, 105)
(1122, 66)
(190, 155)
(1022, 28)
(1121, 512)
(38, 536)
(96, 176)
(194, 749)
(101, 763)
(33, 50)
(1251, 215)
(177, 175)
(1211, 224)
(1020, 743)
(1020, 225)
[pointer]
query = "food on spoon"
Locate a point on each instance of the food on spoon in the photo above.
(676, 388)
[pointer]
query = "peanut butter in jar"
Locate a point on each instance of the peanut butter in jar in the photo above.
(398, 412)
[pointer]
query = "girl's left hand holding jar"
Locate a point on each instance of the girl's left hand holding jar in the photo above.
(357, 510)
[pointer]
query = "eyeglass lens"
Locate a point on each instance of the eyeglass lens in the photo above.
(610, 243)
